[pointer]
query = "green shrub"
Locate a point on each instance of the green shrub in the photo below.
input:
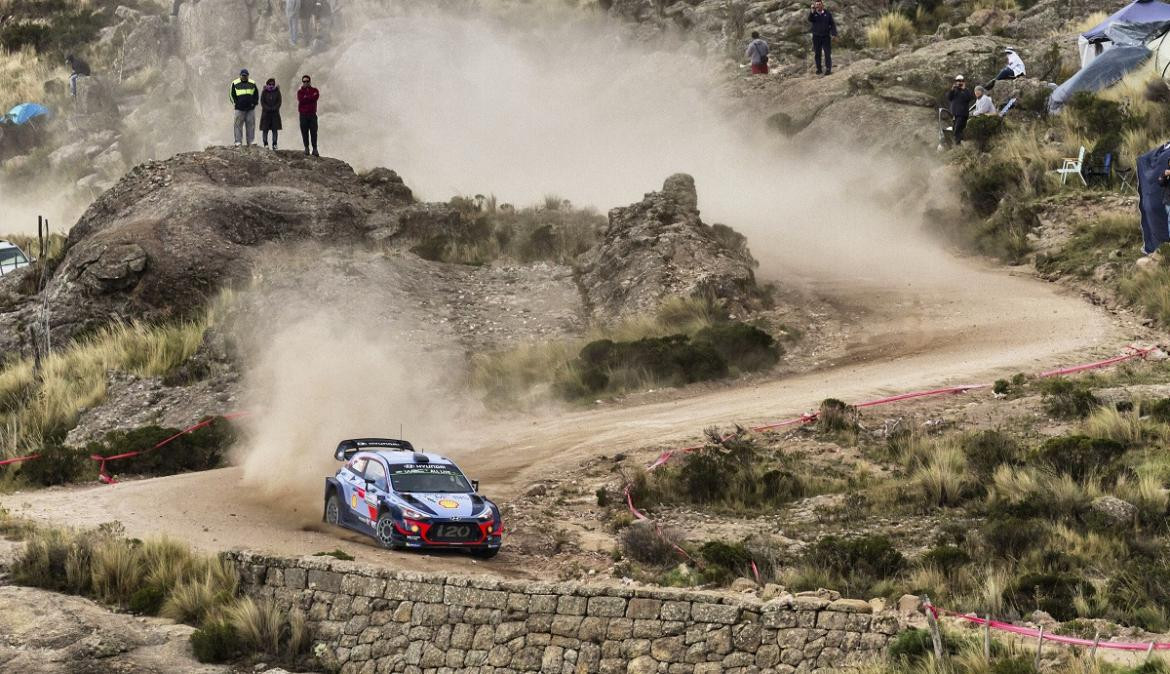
(603, 497)
(835, 415)
(910, 645)
(946, 558)
(725, 561)
(1079, 455)
(1158, 410)
(983, 184)
(1052, 593)
(987, 450)
(1067, 399)
(202, 449)
(215, 642)
(1016, 664)
(1011, 537)
(147, 600)
(1001, 387)
(58, 464)
(982, 129)
(744, 347)
(336, 553)
(858, 562)
(673, 359)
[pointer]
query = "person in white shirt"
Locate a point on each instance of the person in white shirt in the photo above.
(1013, 69)
(983, 103)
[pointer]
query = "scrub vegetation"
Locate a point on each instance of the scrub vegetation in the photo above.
(689, 340)
(161, 576)
(1008, 520)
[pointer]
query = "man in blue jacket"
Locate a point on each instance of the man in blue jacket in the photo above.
(824, 29)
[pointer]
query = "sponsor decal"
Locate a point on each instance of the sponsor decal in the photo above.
(448, 503)
(353, 501)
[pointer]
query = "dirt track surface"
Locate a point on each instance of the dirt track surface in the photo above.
(971, 326)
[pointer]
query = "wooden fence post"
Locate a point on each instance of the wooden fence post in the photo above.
(987, 638)
(1039, 646)
(935, 633)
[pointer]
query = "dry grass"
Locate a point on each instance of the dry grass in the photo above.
(36, 410)
(117, 571)
(24, 73)
(1056, 495)
(1035, 157)
(1001, 5)
(209, 585)
(891, 30)
(260, 625)
(943, 479)
(1090, 21)
(1127, 428)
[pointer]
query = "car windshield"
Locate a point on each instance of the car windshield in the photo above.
(419, 477)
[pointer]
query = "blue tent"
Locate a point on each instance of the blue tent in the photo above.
(1155, 224)
(20, 114)
(1141, 11)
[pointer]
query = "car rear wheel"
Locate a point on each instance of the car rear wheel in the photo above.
(333, 510)
(484, 553)
(384, 530)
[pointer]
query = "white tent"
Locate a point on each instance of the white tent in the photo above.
(1093, 42)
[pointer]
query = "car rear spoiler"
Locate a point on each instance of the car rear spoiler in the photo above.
(347, 448)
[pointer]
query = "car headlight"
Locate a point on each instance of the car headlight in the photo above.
(412, 514)
(486, 514)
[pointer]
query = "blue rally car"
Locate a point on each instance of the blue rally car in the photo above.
(409, 499)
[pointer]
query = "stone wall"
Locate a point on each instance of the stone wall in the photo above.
(379, 620)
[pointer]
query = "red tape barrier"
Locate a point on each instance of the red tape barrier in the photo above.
(809, 417)
(1045, 636)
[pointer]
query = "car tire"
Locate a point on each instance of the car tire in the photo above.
(333, 510)
(384, 532)
(484, 553)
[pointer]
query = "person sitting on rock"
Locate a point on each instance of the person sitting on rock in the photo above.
(270, 101)
(757, 53)
(79, 68)
(307, 97)
(1013, 69)
(245, 97)
(983, 103)
(823, 29)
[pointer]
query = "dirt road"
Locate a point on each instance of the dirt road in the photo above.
(971, 326)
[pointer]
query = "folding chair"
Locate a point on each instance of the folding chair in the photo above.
(1007, 106)
(1074, 166)
(1125, 175)
(1104, 170)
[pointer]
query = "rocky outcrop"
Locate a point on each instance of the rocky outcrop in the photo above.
(659, 248)
(171, 233)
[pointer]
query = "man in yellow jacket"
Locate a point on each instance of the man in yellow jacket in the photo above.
(245, 96)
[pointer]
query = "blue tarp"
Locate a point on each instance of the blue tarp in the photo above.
(1142, 11)
(20, 114)
(1105, 71)
(1155, 224)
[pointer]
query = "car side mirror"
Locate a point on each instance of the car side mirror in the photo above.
(475, 485)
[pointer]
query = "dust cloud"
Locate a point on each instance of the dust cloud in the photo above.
(523, 104)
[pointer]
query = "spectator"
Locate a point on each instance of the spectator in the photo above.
(306, 12)
(757, 53)
(824, 29)
(270, 100)
(323, 19)
(78, 68)
(959, 99)
(307, 97)
(983, 103)
(245, 97)
(292, 8)
(1013, 69)
(177, 4)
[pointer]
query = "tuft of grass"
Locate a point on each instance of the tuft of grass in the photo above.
(1067, 398)
(336, 553)
(643, 542)
(117, 569)
(944, 480)
(890, 30)
(1093, 244)
(259, 624)
(1126, 428)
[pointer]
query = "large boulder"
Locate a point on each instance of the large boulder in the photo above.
(171, 233)
(659, 248)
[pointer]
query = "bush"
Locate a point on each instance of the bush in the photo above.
(202, 449)
(982, 129)
(725, 561)
(1080, 456)
(744, 347)
(987, 450)
(984, 184)
(835, 415)
(892, 29)
(216, 642)
(1158, 410)
(1011, 538)
(1049, 592)
(642, 543)
(912, 644)
(147, 600)
(1067, 399)
(673, 359)
(859, 562)
(946, 558)
(58, 464)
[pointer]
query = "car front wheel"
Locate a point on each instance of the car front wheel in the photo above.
(384, 530)
(333, 510)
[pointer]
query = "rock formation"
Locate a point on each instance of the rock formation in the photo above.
(659, 248)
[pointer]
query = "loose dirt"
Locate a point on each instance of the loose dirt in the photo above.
(973, 324)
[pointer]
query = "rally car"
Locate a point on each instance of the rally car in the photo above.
(409, 499)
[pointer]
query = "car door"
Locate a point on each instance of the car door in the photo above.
(352, 485)
(374, 487)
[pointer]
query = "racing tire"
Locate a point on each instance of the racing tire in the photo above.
(333, 510)
(484, 553)
(384, 532)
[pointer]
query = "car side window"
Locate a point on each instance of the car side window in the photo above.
(357, 466)
(377, 474)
